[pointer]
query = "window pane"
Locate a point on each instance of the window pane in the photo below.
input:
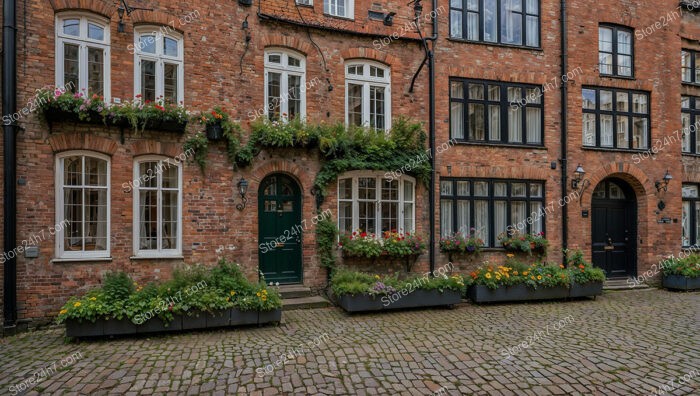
(500, 219)
(511, 21)
(624, 42)
(697, 223)
(515, 124)
(148, 174)
(71, 27)
(408, 191)
(500, 189)
(296, 62)
(606, 130)
(534, 125)
(390, 190)
(494, 93)
(73, 213)
(96, 32)
(355, 104)
(274, 91)
(536, 190)
(605, 39)
(148, 80)
(494, 122)
(481, 189)
(685, 121)
(96, 71)
(368, 217)
(345, 189)
(277, 58)
(622, 132)
(477, 128)
(73, 171)
(686, 66)
(169, 220)
(624, 65)
(606, 101)
(463, 188)
(446, 217)
(690, 191)
(481, 221)
(456, 90)
(390, 216)
(491, 20)
(95, 172)
(639, 103)
(640, 130)
(518, 190)
(472, 26)
(294, 100)
(345, 217)
(446, 187)
(456, 24)
(71, 66)
(408, 217)
(457, 120)
(685, 220)
(463, 216)
(170, 72)
(533, 7)
(148, 219)
(537, 220)
(169, 175)
(367, 188)
(533, 33)
(623, 99)
(476, 91)
(147, 43)
(685, 102)
(170, 47)
(518, 214)
(589, 129)
(376, 107)
(589, 100)
(605, 61)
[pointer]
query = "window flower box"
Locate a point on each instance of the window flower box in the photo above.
(165, 125)
(680, 282)
(483, 294)
(414, 299)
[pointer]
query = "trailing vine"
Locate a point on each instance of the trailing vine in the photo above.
(199, 145)
(326, 236)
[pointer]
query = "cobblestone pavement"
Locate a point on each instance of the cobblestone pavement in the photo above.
(625, 343)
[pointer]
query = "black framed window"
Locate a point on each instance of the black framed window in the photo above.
(614, 118)
(494, 112)
(615, 51)
(691, 213)
(511, 22)
(487, 207)
(690, 117)
(690, 66)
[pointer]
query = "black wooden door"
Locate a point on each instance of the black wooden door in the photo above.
(614, 230)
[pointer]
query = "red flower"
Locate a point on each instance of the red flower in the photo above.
(363, 235)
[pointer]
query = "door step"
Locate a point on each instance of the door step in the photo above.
(294, 291)
(290, 304)
(624, 284)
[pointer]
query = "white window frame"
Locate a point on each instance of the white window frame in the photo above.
(349, 8)
(366, 81)
(355, 176)
(83, 42)
(305, 2)
(156, 253)
(60, 226)
(160, 32)
(285, 70)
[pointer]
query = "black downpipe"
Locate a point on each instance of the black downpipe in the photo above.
(9, 104)
(431, 133)
(564, 134)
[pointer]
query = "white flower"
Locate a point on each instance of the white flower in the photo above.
(270, 283)
(277, 284)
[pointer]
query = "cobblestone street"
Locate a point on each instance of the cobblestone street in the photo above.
(626, 343)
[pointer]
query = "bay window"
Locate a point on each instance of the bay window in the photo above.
(368, 95)
(159, 71)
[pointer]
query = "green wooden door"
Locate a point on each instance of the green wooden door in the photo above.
(279, 215)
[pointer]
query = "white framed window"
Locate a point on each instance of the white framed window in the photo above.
(305, 2)
(82, 205)
(285, 84)
(157, 207)
(339, 8)
(159, 65)
(82, 54)
(370, 202)
(368, 95)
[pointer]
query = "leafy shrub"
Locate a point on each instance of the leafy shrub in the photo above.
(580, 270)
(326, 234)
(688, 266)
(354, 283)
(461, 243)
(117, 286)
(525, 243)
(391, 244)
(515, 273)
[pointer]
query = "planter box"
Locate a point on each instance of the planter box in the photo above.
(215, 132)
(416, 299)
(194, 320)
(679, 282)
(53, 115)
(166, 126)
(590, 289)
(118, 327)
(218, 319)
(75, 328)
(242, 318)
(269, 316)
(482, 294)
(156, 325)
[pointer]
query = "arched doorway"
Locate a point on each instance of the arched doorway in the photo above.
(614, 228)
(279, 224)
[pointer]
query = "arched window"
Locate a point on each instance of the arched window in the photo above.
(157, 207)
(159, 60)
(82, 205)
(285, 84)
(373, 203)
(82, 54)
(368, 95)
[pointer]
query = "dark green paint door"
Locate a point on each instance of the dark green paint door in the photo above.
(279, 213)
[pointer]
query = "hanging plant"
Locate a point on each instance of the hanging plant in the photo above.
(199, 145)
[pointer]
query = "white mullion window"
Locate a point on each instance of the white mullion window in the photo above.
(82, 205)
(159, 58)
(157, 208)
(368, 95)
(374, 204)
(82, 54)
(339, 8)
(285, 85)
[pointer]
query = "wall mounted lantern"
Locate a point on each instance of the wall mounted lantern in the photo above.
(242, 190)
(123, 7)
(663, 183)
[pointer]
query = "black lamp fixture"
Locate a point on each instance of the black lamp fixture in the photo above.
(125, 8)
(316, 192)
(417, 8)
(242, 190)
(663, 183)
(579, 175)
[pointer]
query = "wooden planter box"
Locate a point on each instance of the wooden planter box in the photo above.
(679, 282)
(198, 320)
(416, 299)
(590, 289)
(482, 294)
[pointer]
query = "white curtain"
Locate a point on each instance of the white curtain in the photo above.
(515, 116)
(623, 132)
(535, 208)
(446, 217)
(685, 220)
(500, 218)
(606, 130)
(481, 220)
(534, 125)
(463, 217)
(457, 123)
(685, 121)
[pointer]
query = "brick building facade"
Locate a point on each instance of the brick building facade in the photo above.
(497, 94)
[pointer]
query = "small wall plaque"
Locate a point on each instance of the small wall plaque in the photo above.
(584, 213)
(31, 252)
(664, 220)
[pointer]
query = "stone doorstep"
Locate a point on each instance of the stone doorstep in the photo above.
(294, 291)
(289, 304)
(622, 284)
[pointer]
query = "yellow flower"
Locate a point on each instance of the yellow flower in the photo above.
(63, 311)
(233, 293)
(257, 294)
(532, 277)
(93, 299)
(377, 277)
(77, 304)
(539, 277)
(510, 255)
(515, 272)
(264, 298)
(525, 273)
(488, 275)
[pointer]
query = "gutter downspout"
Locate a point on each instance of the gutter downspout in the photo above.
(564, 134)
(431, 133)
(9, 104)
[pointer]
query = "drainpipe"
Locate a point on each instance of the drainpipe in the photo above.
(9, 101)
(564, 140)
(431, 132)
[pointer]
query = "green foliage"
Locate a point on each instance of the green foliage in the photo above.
(461, 243)
(391, 244)
(514, 273)
(261, 298)
(199, 145)
(688, 266)
(117, 286)
(326, 235)
(354, 283)
(580, 270)
(524, 243)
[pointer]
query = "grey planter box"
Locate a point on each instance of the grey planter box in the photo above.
(590, 289)
(156, 325)
(415, 299)
(75, 328)
(274, 316)
(242, 318)
(218, 319)
(482, 294)
(679, 282)
(118, 327)
(194, 320)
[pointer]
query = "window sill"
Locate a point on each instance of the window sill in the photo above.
(617, 150)
(691, 155)
(691, 84)
(80, 260)
(630, 78)
(344, 18)
(508, 145)
(162, 257)
(488, 43)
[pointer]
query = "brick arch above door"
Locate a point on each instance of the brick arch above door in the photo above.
(629, 173)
